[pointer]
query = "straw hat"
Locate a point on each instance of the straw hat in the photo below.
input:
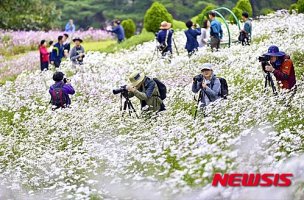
(165, 25)
(136, 78)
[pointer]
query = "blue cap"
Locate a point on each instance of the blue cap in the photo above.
(274, 51)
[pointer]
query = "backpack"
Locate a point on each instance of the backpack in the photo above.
(161, 88)
(58, 97)
(224, 87)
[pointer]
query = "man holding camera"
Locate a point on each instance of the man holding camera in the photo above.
(60, 91)
(118, 30)
(191, 34)
(146, 90)
(164, 37)
(281, 66)
(77, 52)
(216, 32)
(207, 84)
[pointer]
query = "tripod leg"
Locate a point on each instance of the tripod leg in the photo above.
(175, 46)
(133, 109)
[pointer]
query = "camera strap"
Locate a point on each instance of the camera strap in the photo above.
(167, 33)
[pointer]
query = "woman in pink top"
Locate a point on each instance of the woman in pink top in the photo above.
(44, 55)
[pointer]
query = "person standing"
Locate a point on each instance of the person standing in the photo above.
(70, 27)
(205, 34)
(44, 56)
(58, 52)
(77, 52)
(118, 30)
(191, 34)
(216, 32)
(245, 33)
(164, 37)
(66, 44)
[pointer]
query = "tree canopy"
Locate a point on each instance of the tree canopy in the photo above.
(47, 14)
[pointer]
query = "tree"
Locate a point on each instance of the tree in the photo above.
(155, 15)
(204, 14)
(27, 15)
(244, 6)
(300, 6)
(129, 27)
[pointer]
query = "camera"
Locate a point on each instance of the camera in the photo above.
(65, 80)
(197, 78)
(265, 61)
(122, 89)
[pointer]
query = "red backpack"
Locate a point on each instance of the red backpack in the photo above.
(58, 98)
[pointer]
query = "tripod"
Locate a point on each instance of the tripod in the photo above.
(269, 82)
(127, 105)
(199, 99)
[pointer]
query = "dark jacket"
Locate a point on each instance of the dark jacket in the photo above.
(161, 37)
(57, 53)
(66, 89)
(191, 35)
(211, 93)
(119, 31)
(149, 95)
(74, 54)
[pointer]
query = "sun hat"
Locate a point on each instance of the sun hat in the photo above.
(136, 78)
(206, 66)
(274, 51)
(165, 25)
(77, 38)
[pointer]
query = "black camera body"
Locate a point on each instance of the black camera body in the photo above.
(264, 60)
(65, 80)
(198, 78)
(122, 89)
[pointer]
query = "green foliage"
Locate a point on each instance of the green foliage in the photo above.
(298, 61)
(244, 5)
(238, 13)
(300, 6)
(261, 38)
(266, 11)
(204, 14)
(179, 25)
(129, 27)
(155, 15)
(240, 7)
(293, 6)
(27, 14)
(131, 42)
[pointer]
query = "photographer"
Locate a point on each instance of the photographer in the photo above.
(207, 84)
(118, 30)
(164, 37)
(216, 32)
(191, 34)
(60, 91)
(77, 52)
(146, 90)
(281, 66)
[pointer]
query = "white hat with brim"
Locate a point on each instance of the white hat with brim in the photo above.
(206, 66)
(165, 25)
(136, 78)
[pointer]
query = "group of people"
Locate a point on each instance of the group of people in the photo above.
(207, 84)
(62, 49)
(210, 33)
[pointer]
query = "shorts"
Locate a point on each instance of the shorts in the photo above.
(215, 43)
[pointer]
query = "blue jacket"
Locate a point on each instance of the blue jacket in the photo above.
(57, 53)
(191, 35)
(161, 37)
(211, 93)
(216, 29)
(119, 31)
(69, 27)
(66, 89)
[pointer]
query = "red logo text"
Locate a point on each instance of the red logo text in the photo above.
(247, 180)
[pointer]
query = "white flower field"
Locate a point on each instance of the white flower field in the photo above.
(89, 151)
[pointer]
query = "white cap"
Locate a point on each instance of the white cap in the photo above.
(206, 66)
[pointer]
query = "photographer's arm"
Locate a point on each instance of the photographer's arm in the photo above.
(146, 95)
(196, 86)
(215, 89)
(73, 55)
(68, 89)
